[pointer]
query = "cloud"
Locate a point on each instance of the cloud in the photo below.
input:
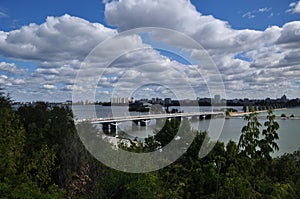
(10, 82)
(267, 50)
(57, 47)
(49, 86)
(210, 32)
(11, 68)
(271, 15)
(252, 14)
(118, 14)
(264, 9)
(249, 15)
(250, 61)
(140, 65)
(3, 14)
(290, 35)
(59, 38)
(294, 8)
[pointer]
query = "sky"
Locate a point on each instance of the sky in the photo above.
(58, 50)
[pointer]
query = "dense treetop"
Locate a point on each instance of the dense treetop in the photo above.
(43, 157)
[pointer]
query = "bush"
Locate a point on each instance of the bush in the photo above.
(283, 115)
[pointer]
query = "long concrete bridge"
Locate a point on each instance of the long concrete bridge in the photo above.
(142, 120)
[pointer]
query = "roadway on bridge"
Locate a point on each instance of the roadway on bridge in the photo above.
(151, 116)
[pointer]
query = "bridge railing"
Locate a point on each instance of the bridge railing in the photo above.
(150, 116)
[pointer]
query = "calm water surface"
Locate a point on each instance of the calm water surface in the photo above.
(289, 132)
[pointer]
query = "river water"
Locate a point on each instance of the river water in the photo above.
(289, 132)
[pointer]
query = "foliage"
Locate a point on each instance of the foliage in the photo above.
(244, 108)
(5, 101)
(78, 185)
(23, 175)
(12, 139)
(267, 144)
(248, 141)
(43, 157)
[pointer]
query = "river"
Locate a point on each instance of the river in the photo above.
(289, 132)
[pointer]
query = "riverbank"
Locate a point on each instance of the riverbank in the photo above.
(236, 115)
(241, 114)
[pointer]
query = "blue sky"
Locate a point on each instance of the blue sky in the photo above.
(273, 12)
(19, 13)
(35, 65)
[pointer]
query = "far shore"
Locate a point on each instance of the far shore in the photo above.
(238, 114)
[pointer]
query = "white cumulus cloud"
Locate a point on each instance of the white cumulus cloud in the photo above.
(11, 68)
(294, 8)
(59, 38)
(251, 62)
(274, 49)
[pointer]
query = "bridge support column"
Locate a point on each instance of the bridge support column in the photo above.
(135, 122)
(143, 122)
(209, 116)
(105, 126)
(178, 118)
(113, 126)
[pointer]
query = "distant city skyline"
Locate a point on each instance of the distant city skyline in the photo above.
(126, 100)
(254, 46)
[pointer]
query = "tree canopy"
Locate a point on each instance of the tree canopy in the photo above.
(43, 157)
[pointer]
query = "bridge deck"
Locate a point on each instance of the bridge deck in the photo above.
(149, 117)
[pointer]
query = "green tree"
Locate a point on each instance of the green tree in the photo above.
(52, 127)
(23, 175)
(5, 101)
(167, 133)
(244, 108)
(12, 140)
(267, 144)
(255, 108)
(42, 165)
(249, 138)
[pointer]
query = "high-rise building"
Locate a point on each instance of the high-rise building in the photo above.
(119, 100)
(284, 98)
(168, 101)
(217, 99)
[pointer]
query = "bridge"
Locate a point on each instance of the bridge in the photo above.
(142, 120)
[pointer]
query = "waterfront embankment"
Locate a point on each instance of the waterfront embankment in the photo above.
(233, 115)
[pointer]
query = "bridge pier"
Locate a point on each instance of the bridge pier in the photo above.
(209, 116)
(110, 124)
(113, 126)
(144, 122)
(135, 122)
(201, 117)
(105, 126)
(178, 118)
(109, 127)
